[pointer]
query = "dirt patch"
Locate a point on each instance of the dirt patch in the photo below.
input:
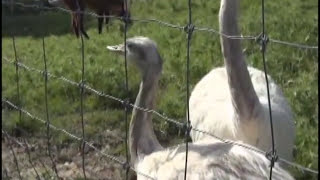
(68, 159)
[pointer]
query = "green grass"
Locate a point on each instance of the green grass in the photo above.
(295, 70)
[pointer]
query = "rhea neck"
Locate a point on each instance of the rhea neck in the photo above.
(142, 140)
(244, 98)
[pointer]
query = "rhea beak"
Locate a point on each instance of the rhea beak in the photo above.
(118, 49)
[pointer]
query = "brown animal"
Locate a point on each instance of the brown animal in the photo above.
(76, 17)
(101, 7)
(106, 8)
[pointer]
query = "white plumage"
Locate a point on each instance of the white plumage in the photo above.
(211, 110)
(231, 102)
(206, 160)
(209, 161)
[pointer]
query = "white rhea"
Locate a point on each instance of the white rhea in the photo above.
(206, 160)
(231, 102)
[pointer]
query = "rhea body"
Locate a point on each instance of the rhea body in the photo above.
(206, 160)
(231, 102)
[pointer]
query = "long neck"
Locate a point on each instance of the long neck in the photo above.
(243, 96)
(142, 139)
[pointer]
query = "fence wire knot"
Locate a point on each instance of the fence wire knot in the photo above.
(45, 73)
(272, 157)
(263, 40)
(126, 18)
(126, 166)
(81, 84)
(16, 63)
(189, 28)
(126, 104)
(4, 102)
(46, 123)
(187, 127)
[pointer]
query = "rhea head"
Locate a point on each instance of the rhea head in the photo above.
(141, 52)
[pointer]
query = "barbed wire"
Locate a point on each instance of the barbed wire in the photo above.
(25, 146)
(225, 35)
(97, 92)
(82, 99)
(125, 108)
(189, 28)
(47, 110)
(150, 20)
(272, 155)
(15, 160)
(4, 170)
(292, 44)
(114, 158)
(171, 120)
(18, 96)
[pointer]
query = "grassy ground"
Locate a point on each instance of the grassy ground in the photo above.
(295, 70)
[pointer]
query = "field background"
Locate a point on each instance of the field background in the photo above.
(295, 70)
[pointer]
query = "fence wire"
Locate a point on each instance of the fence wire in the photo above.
(81, 100)
(165, 118)
(189, 28)
(109, 156)
(160, 22)
(18, 98)
(272, 156)
(26, 147)
(125, 103)
(54, 166)
(14, 157)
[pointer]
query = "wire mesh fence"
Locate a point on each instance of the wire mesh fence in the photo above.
(189, 29)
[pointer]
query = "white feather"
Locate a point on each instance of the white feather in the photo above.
(211, 110)
(213, 107)
(209, 161)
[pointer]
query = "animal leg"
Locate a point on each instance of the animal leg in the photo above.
(100, 21)
(107, 20)
(74, 21)
(82, 28)
(76, 6)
